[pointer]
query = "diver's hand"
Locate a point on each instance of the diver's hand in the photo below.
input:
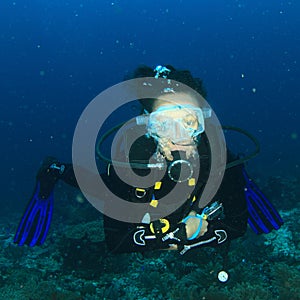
(48, 174)
(192, 225)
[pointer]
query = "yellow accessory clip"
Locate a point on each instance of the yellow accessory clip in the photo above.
(140, 193)
(157, 185)
(191, 182)
(165, 225)
(154, 203)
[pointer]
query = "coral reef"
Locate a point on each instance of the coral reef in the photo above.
(75, 264)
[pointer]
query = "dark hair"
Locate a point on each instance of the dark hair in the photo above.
(183, 76)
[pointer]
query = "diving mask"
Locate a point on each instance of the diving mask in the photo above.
(180, 124)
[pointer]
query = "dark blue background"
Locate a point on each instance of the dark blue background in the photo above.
(57, 55)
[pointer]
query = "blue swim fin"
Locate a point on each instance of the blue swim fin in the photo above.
(34, 225)
(263, 216)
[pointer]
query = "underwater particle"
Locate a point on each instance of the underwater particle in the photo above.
(38, 46)
(253, 90)
(79, 198)
(242, 75)
(294, 136)
(42, 73)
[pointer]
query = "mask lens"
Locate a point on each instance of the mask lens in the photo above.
(177, 124)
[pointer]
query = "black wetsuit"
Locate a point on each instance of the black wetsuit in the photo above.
(126, 237)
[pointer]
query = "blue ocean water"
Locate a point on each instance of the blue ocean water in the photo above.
(56, 56)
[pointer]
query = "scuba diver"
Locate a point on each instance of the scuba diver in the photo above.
(176, 135)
